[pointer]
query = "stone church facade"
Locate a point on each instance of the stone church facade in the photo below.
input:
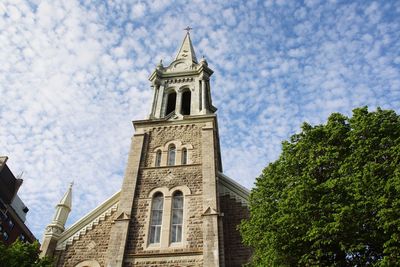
(175, 207)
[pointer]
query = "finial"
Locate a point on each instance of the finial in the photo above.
(187, 29)
(160, 65)
(203, 61)
(71, 184)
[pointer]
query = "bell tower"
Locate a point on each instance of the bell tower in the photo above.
(174, 153)
(175, 207)
(193, 96)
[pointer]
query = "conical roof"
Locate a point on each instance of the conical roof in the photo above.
(186, 51)
(67, 198)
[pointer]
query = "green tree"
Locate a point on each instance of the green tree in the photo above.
(333, 196)
(22, 254)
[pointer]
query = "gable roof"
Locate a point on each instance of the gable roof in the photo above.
(228, 186)
(87, 222)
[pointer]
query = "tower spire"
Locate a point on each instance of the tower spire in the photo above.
(182, 88)
(66, 201)
(186, 50)
(57, 226)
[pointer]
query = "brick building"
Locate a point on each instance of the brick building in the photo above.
(12, 210)
(175, 207)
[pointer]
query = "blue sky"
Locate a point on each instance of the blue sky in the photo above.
(73, 75)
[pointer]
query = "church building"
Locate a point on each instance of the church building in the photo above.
(175, 207)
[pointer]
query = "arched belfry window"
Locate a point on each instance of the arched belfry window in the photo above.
(177, 217)
(171, 155)
(156, 218)
(184, 156)
(171, 103)
(158, 158)
(186, 98)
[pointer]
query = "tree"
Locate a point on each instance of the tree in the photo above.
(22, 254)
(333, 196)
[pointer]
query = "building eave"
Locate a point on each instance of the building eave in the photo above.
(233, 188)
(163, 73)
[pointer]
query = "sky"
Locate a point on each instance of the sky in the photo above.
(74, 74)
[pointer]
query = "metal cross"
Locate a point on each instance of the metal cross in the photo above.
(188, 29)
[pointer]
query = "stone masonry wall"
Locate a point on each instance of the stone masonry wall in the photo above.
(91, 246)
(168, 176)
(186, 133)
(236, 254)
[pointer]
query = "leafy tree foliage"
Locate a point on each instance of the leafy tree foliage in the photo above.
(333, 196)
(22, 254)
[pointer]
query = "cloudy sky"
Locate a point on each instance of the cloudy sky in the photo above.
(73, 75)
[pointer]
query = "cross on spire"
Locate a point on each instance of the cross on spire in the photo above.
(187, 29)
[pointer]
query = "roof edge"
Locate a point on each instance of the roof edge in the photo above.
(237, 189)
(88, 220)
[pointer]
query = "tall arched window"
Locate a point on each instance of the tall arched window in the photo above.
(156, 218)
(177, 217)
(184, 156)
(186, 103)
(171, 102)
(158, 158)
(171, 155)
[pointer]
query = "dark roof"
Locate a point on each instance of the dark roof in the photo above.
(9, 185)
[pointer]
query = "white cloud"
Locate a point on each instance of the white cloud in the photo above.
(74, 75)
(138, 10)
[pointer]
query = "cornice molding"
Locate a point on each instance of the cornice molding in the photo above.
(163, 122)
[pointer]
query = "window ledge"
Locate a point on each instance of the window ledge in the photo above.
(172, 166)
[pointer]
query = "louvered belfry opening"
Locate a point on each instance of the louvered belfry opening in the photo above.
(171, 103)
(186, 98)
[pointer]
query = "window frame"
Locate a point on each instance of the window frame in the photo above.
(170, 102)
(186, 102)
(157, 227)
(184, 156)
(166, 224)
(157, 162)
(174, 238)
(171, 149)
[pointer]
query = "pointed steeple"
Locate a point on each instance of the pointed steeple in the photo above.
(182, 88)
(66, 201)
(186, 51)
(63, 208)
(57, 226)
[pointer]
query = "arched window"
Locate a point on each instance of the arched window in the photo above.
(186, 103)
(171, 155)
(158, 158)
(177, 217)
(156, 218)
(171, 102)
(184, 156)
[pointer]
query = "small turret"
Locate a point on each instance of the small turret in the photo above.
(57, 226)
